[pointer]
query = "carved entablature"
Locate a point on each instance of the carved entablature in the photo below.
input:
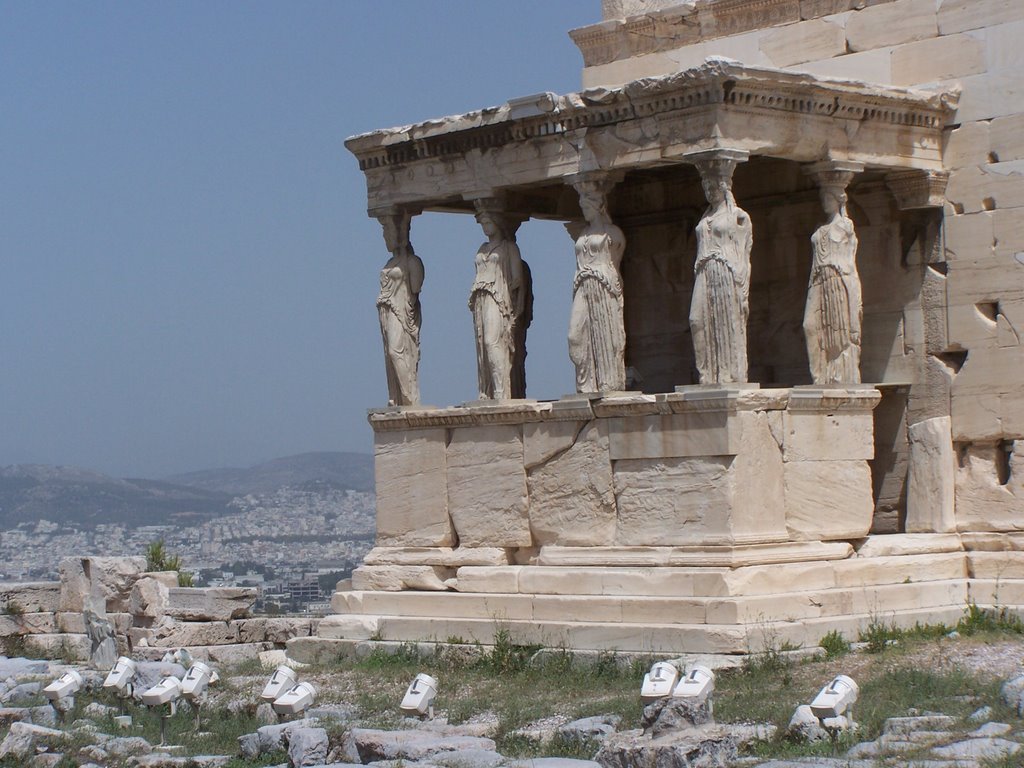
(545, 139)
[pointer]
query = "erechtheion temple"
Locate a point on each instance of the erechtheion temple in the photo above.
(798, 228)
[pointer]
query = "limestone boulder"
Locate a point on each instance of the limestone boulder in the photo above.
(30, 597)
(704, 746)
(372, 745)
(307, 746)
(210, 603)
(150, 595)
(111, 578)
(21, 740)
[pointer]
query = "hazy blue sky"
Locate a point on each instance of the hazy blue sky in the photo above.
(189, 273)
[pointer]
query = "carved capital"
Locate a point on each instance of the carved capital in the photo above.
(833, 174)
(918, 189)
(716, 163)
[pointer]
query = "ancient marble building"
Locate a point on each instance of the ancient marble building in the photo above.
(799, 235)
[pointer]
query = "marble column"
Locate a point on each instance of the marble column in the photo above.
(501, 300)
(834, 311)
(597, 333)
(721, 288)
(398, 306)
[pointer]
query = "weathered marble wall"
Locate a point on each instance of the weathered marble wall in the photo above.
(946, 311)
(702, 467)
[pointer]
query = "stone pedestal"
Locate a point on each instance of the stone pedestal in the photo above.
(693, 521)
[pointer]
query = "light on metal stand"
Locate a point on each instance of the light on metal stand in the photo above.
(164, 694)
(121, 678)
(193, 687)
(61, 692)
(419, 696)
(833, 701)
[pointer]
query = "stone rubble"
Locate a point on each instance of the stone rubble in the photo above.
(676, 733)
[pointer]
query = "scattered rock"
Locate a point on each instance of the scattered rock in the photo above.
(265, 714)
(20, 694)
(370, 744)
(981, 715)
(978, 749)
(989, 730)
(21, 739)
(1013, 694)
(98, 710)
(307, 746)
(702, 746)
(676, 713)
(469, 758)
(595, 728)
(804, 726)
(127, 745)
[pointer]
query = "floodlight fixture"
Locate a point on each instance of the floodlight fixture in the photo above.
(121, 676)
(698, 683)
(835, 699)
(279, 682)
(164, 694)
(419, 696)
(659, 682)
(64, 687)
(295, 700)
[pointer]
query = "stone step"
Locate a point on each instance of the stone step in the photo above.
(713, 581)
(644, 638)
(662, 610)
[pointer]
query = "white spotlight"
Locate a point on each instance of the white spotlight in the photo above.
(167, 691)
(296, 699)
(835, 698)
(63, 687)
(698, 683)
(121, 676)
(659, 682)
(419, 696)
(198, 677)
(279, 682)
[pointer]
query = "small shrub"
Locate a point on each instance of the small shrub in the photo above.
(507, 657)
(878, 635)
(13, 608)
(977, 619)
(835, 644)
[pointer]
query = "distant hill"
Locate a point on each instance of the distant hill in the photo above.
(32, 492)
(312, 471)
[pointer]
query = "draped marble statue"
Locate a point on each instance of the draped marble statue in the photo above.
(721, 289)
(832, 318)
(597, 335)
(498, 301)
(399, 308)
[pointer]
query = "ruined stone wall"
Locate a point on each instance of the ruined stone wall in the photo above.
(961, 328)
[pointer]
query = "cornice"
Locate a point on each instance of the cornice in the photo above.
(717, 82)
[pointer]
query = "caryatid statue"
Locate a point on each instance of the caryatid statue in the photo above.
(399, 308)
(832, 318)
(721, 287)
(499, 300)
(597, 334)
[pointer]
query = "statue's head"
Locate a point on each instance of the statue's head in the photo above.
(491, 223)
(396, 230)
(592, 200)
(833, 200)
